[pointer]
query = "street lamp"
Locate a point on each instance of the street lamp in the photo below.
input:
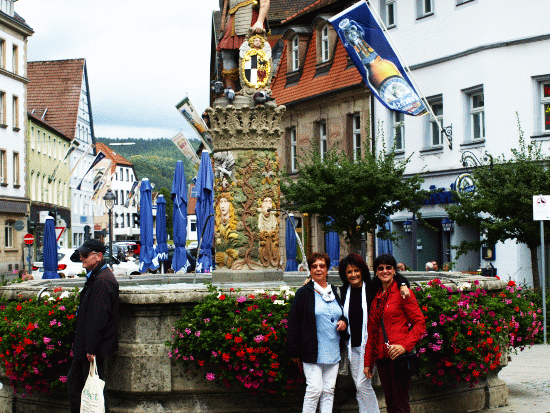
(447, 225)
(407, 226)
(109, 199)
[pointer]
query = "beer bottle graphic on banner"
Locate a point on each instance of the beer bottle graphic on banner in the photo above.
(383, 74)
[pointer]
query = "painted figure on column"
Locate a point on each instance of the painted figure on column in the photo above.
(238, 16)
(268, 225)
(226, 234)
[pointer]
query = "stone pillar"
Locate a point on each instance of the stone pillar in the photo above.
(245, 138)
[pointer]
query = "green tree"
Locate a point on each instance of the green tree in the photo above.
(169, 211)
(501, 208)
(354, 196)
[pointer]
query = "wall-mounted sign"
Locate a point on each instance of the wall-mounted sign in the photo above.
(464, 184)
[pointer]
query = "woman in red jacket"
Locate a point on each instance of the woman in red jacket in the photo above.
(404, 324)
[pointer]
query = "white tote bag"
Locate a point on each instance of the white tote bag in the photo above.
(92, 400)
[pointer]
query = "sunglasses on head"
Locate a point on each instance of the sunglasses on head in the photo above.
(384, 267)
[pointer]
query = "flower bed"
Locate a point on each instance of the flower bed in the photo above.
(36, 340)
(241, 341)
(469, 332)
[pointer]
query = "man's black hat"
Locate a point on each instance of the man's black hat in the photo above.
(89, 246)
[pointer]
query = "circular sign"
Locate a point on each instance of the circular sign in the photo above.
(19, 225)
(29, 239)
(465, 184)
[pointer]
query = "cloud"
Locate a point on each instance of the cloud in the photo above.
(142, 57)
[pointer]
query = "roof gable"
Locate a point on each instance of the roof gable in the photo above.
(54, 92)
(112, 155)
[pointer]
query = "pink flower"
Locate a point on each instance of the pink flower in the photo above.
(241, 299)
(63, 379)
(47, 340)
(188, 331)
(210, 376)
(198, 333)
(258, 339)
(62, 307)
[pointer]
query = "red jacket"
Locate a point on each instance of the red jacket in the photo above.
(398, 313)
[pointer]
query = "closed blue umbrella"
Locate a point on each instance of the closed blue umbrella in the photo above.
(290, 245)
(179, 215)
(49, 260)
(332, 242)
(385, 246)
(204, 210)
(147, 259)
(161, 250)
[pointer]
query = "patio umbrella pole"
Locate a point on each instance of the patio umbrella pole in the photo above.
(199, 246)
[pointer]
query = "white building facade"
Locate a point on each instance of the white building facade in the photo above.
(478, 63)
(14, 202)
(81, 198)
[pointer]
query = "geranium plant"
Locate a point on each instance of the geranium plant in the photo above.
(36, 340)
(239, 339)
(469, 331)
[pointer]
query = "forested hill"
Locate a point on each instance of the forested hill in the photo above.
(153, 158)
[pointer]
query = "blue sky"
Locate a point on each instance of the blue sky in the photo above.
(143, 57)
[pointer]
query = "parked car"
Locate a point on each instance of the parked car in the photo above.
(65, 266)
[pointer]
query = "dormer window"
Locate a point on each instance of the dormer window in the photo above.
(324, 44)
(7, 7)
(295, 53)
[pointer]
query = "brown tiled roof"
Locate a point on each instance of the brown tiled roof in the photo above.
(339, 77)
(282, 9)
(112, 155)
(312, 5)
(54, 87)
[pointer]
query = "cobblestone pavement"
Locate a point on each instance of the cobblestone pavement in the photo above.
(527, 377)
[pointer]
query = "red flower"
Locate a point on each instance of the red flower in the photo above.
(30, 326)
(275, 365)
(57, 289)
(272, 373)
(511, 283)
(19, 307)
(229, 336)
(232, 289)
(238, 340)
(222, 297)
(201, 362)
(225, 357)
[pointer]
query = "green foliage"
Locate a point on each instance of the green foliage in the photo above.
(154, 159)
(239, 340)
(501, 208)
(469, 332)
(36, 341)
(357, 195)
(169, 211)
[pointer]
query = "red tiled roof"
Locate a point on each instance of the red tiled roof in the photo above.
(54, 87)
(310, 86)
(112, 155)
(282, 9)
(313, 6)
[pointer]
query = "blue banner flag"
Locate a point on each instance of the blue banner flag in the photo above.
(100, 156)
(376, 61)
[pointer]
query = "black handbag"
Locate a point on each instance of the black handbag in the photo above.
(406, 363)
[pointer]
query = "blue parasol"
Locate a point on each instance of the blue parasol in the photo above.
(179, 215)
(161, 250)
(49, 259)
(290, 245)
(204, 210)
(147, 258)
(332, 245)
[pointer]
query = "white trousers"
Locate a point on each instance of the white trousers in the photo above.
(320, 380)
(366, 397)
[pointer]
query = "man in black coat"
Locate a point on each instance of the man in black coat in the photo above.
(96, 332)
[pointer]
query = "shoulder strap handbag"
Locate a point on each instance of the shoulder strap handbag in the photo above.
(406, 363)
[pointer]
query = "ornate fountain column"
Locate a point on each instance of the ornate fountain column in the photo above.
(246, 132)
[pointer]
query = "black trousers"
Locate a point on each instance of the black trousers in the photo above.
(396, 387)
(76, 379)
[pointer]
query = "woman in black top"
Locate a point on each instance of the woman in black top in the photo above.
(357, 294)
